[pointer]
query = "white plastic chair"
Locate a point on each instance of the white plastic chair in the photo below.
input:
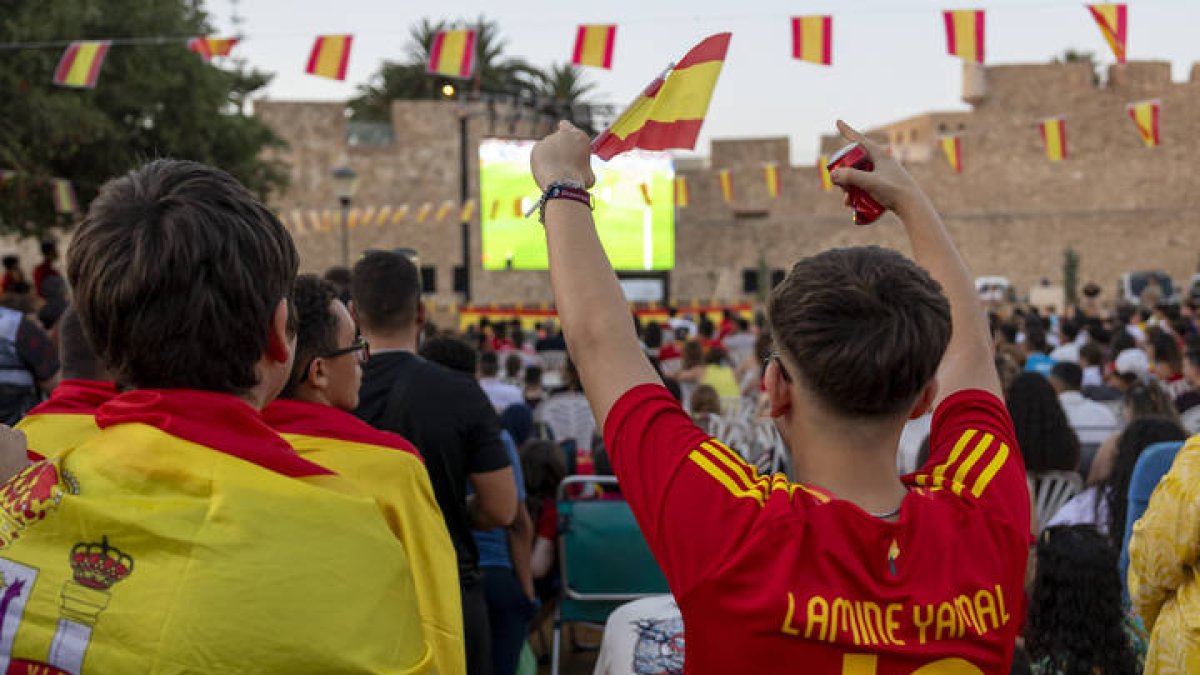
(1052, 489)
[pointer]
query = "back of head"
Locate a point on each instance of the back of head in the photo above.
(693, 354)
(533, 376)
(489, 364)
(705, 400)
(1149, 399)
(451, 352)
(1134, 439)
(866, 327)
(1076, 615)
(177, 272)
(1069, 375)
(386, 287)
(49, 249)
(1166, 350)
(1044, 435)
(1069, 330)
(79, 360)
(316, 326)
(512, 366)
(1091, 354)
(544, 467)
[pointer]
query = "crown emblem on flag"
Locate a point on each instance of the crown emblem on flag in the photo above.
(99, 566)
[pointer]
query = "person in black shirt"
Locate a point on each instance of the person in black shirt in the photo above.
(444, 414)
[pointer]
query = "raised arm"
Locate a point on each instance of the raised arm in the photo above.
(591, 306)
(968, 362)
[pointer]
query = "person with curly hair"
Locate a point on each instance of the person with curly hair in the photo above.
(1078, 623)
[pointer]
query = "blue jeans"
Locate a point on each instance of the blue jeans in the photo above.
(509, 614)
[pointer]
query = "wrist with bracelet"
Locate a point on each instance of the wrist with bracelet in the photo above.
(562, 189)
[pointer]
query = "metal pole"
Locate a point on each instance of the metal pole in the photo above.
(463, 164)
(345, 232)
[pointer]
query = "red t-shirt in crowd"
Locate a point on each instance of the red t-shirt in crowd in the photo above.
(773, 576)
(669, 351)
(547, 524)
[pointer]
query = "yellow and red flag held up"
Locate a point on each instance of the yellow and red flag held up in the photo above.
(452, 54)
(964, 34)
(80, 64)
(1113, 20)
(1054, 135)
(208, 47)
(64, 197)
(726, 180)
(771, 173)
(952, 146)
(812, 39)
(594, 46)
(330, 56)
(670, 112)
(681, 192)
(1145, 116)
(823, 169)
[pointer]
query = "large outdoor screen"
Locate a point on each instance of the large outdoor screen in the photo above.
(637, 235)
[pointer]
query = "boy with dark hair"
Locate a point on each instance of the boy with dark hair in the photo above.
(312, 414)
(851, 570)
(186, 535)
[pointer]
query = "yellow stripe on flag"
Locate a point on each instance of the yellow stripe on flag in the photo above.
(452, 54)
(1145, 116)
(681, 192)
(594, 46)
(443, 211)
(726, 185)
(1055, 138)
(813, 40)
(1114, 25)
(382, 217)
(693, 87)
(823, 169)
(400, 214)
(771, 172)
(952, 147)
(964, 34)
(330, 56)
(80, 64)
(468, 211)
(423, 212)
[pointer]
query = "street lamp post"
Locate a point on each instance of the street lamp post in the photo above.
(345, 182)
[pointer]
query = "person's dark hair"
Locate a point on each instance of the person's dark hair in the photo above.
(1045, 437)
(1069, 330)
(1070, 375)
(1006, 368)
(1121, 341)
(544, 466)
(177, 271)
(715, 355)
(1076, 615)
(79, 360)
(1009, 331)
(865, 326)
(706, 328)
(489, 364)
(1035, 336)
(653, 335)
(1166, 350)
(533, 375)
(338, 276)
(681, 334)
(49, 248)
(705, 400)
(54, 291)
(512, 366)
(693, 354)
(316, 326)
(1091, 354)
(570, 376)
(743, 324)
(386, 287)
(1149, 399)
(11, 262)
(1136, 437)
(450, 352)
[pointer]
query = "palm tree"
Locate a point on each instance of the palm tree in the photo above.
(562, 89)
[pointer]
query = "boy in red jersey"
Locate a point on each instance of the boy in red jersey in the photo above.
(852, 570)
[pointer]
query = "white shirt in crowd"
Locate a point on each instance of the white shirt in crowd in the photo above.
(501, 394)
(1081, 510)
(1093, 376)
(643, 637)
(677, 323)
(1066, 352)
(911, 437)
(1093, 422)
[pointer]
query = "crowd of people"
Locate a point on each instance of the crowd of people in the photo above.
(233, 468)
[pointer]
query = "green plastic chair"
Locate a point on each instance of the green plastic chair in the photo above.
(603, 558)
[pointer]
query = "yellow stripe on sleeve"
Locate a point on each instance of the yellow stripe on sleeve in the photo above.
(990, 471)
(939, 472)
(960, 476)
(723, 478)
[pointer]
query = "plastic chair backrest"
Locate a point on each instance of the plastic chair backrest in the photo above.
(1052, 489)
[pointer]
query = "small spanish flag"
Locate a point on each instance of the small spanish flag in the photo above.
(964, 34)
(1114, 24)
(64, 197)
(400, 214)
(726, 185)
(823, 169)
(383, 216)
(594, 46)
(1054, 135)
(952, 146)
(330, 55)
(443, 211)
(1145, 116)
(771, 173)
(495, 211)
(423, 212)
(80, 64)
(209, 47)
(645, 187)
(368, 216)
(518, 207)
(452, 54)
(670, 111)
(812, 39)
(681, 192)
(468, 210)
(352, 218)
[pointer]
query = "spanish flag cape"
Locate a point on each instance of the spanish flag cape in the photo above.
(66, 419)
(187, 536)
(390, 469)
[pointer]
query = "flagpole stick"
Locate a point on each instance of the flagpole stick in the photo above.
(647, 237)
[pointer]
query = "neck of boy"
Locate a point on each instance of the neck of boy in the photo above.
(401, 340)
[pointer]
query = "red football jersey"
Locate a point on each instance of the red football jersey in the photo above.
(773, 576)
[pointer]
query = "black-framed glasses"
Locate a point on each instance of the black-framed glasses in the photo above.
(360, 348)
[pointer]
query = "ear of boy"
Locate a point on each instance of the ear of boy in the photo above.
(779, 390)
(925, 400)
(279, 343)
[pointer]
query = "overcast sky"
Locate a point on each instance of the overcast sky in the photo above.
(889, 59)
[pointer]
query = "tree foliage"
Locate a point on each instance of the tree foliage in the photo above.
(154, 99)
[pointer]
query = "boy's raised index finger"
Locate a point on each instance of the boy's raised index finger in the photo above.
(851, 134)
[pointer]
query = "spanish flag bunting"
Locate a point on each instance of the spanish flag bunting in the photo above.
(423, 212)
(771, 173)
(208, 47)
(314, 221)
(298, 220)
(330, 55)
(79, 65)
(1054, 135)
(964, 34)
(352, 218)
(327, 220)
(368, 215)
(400, 214)
(726, 185)
(495, 211)
(952, 146)
(823, 169)
(518, 208)
(670, 112)
(812, 39)
(468, 211)
(452, 54)
(64, 197)
(383, 216)
(1113, 20)
(594, 46)
(645, 188)
(1145, 116)
(443, 211)
(681, 192)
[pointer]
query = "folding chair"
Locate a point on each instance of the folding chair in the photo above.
(604, 560)
(1052, 489)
